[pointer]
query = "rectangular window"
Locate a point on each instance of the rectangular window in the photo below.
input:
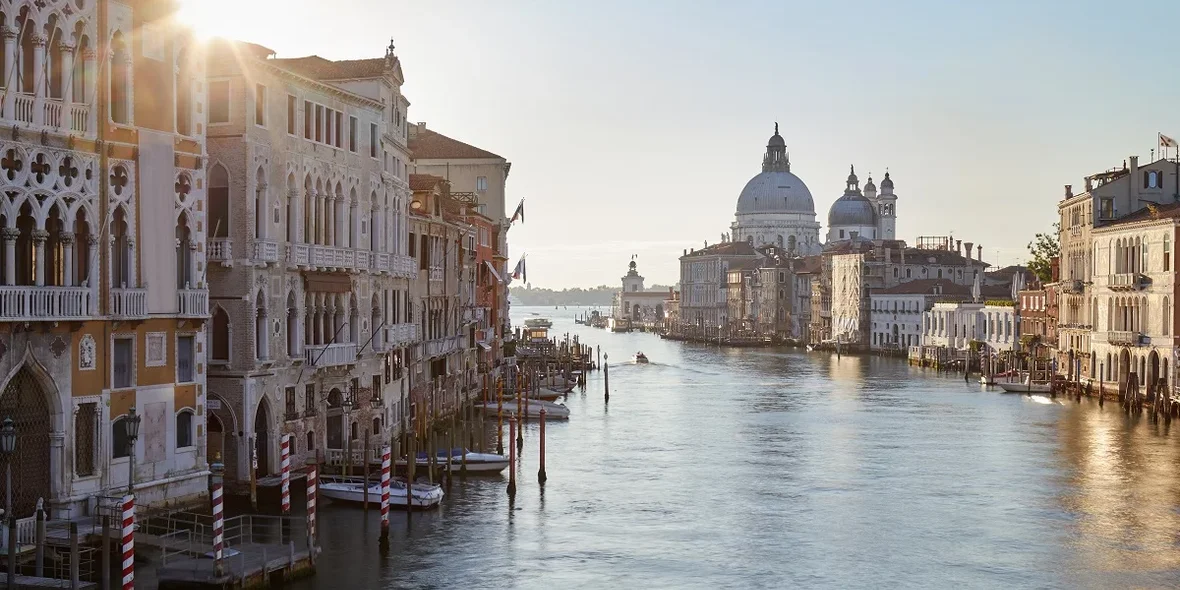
(319, 122)
(309, 400)
(352, 124)
(260, 105)
(481, 183)
(85, 439)
(289, 402)
(308, 120)
(372, 140)
(339, 129)
(219, 101)
(412, 246)
(1106, 208)
(376, 393)
(328, 126)
(1167, 252)
(292, 104)
(185, 353)
(124, 363)
(184, 429)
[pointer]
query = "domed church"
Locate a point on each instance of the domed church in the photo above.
(864, 216)
(775, 207)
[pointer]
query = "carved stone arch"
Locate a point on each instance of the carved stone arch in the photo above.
(14, 165)
(33, 400)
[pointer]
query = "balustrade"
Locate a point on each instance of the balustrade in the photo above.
(220, 249)
(79, 115)
(330, 355)
(53, 112)
(266, 251)
(24, 108)
(129, 303)
(1125, 281)
(45, 303)
(1124, 338)
(193, 303)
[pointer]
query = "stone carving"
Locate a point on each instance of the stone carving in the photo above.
(86, 353)
(58, 347)
(157, 349)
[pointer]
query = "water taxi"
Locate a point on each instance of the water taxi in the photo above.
(640, 358)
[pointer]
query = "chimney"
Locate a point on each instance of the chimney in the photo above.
(980, 250)
(1068, 191)
(1134, 173)
(959, 247)
(968, 244)
(685, 252)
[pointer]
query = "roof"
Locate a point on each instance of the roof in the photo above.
(925, 287)
(426, 144)
(1148, 213)
(318, 68)
(725, 249)
(424, 182)
(742, 265)
(1008, 272)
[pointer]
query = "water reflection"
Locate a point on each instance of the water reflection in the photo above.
(773, 468)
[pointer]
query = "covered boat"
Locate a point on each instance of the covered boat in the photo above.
(532, 409)
(477, 463)
(423, 495)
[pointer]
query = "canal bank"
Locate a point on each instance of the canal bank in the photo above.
(778, 468)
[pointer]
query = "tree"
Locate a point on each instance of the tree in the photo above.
(1044, 248)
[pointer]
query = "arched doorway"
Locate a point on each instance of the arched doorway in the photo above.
(659, 311)
(262, 438)
(25, 401)
(635, 312)
(1152, 371)
(1124, 366)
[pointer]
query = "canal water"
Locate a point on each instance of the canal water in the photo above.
(726, 468)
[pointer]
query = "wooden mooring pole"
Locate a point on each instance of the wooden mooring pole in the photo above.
(511, 458)
(541, 477)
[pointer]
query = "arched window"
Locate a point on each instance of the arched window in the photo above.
(121, 264)
(260, 205)
(376, 424)
(120, 91)
(184, 429)
(119, 446)
(292, 210)
(220, 328)
(184, 253)
(218, 202)
(261, 329)
(291, 449)
(292, 326)
(1167, 323)
(309, 444)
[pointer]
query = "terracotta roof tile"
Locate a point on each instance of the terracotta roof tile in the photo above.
(426, 144)
(1146, 214)
(725, 249)
(424, 182)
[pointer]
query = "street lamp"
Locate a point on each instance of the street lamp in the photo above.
(7, 448)
(131, 428)
(347, 405)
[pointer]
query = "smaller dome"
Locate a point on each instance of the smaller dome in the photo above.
(887, 182)
(869, 186)
(776, 140)
(852, 176)
(852, 210)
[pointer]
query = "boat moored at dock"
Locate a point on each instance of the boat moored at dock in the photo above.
(532, 409)
(424, 496)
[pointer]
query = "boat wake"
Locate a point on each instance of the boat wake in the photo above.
(1040, 399)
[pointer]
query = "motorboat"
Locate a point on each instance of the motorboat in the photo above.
(559, 383)
(1026, 386)
(532, 409)
(477, 463)
(640, 358)
(423, 495)
(538, 323)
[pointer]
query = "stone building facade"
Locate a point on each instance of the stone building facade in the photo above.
(310, 278)
(704, 306)
(103, 198)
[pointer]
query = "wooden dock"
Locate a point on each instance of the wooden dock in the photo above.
(35, 582)
(245, 566)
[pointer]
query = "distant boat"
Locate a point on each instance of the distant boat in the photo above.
(538, 323)
(640, 358)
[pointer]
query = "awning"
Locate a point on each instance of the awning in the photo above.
(485, 346)
(492, 270)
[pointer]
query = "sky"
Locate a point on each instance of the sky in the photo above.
(632, 126)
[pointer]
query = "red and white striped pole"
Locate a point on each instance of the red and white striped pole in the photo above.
(129, 542)
(312, 475)
(385, 467)
(285, 453)
(218, 498)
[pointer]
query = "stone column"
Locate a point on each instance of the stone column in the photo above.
(67, 81)
(10, 234)
(292, 214)
(261, 209)
(91, 259)
(9, 34)
(39, 237)
(40, 87)
(132, 276)
(310, 217)
(90, 59)
(330, 221)
(67, 241)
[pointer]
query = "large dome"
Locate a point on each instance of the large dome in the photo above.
(852, 210)
(776, 192)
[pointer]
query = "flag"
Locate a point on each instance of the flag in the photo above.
(1168, 141)
(518, 213)
(519, 272)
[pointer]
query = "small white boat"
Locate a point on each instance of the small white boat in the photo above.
(1025, 387)
(558, 382)
(532, 409)
(538, 323)
(424, 495)
(477, 463)
(640, 358)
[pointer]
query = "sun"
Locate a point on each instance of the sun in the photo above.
(221, 18)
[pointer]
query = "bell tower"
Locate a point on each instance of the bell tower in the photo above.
(632, 282)
(887, 210)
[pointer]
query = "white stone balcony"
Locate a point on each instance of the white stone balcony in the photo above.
(266, 251)
(1124, 338)
(436, 273)
(45, 303)
(193, 303)
(220, 250)
(79, 118)
(330, 355)
(129, 303)
(401, 334)
(1125, 281)
(337, 258)
(442, 346)
(23, 105)
(403, 266)
(55, 113)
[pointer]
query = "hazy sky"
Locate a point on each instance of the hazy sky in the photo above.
(632, 126)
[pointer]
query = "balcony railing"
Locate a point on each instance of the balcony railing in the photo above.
(436, 273)
(266, 251)
(193, 303)
(330, 355)
(79, 117)
(53, 112)
(24, 108)
(1124, 338)
(1126, 281)
(441, 346)
(45, 303)
(1072, 286)
(129, 303)
(401, 334)
(403, 266)
(220, 249)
